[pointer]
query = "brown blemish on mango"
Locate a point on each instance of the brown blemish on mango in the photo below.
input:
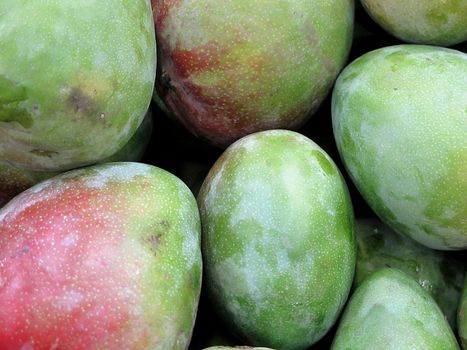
(81, 102)
(43, 153)
(153, 241)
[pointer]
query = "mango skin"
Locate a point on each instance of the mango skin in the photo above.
(391, 311)
(438, 273)
(462, 317)
(431, 22)
(400, 120)
(230, 68)
(278, 242)
(107, 257)
(14, 180)
(75, 81)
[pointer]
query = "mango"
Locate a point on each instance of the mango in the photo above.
(278, 239)
(233, 67)
(439, 274)
(391, 311)
(431, 22)
(104, 257)
(14, 180)
(400, 122)
(76, 79)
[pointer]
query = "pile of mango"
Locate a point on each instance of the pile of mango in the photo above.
(207, 174)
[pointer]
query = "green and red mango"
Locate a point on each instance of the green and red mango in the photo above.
(105, 257)
(229, 68)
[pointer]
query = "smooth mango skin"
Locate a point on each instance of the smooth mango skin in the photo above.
(462, 317)
(14, 180)
(400, 124)
(432, 22)
(390, 311)
(105, 257)
(277, 240)
(379, 247)
(233, 67)
(76, 79)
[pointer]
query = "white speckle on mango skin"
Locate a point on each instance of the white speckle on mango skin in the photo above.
(400, 124)
(278, 239)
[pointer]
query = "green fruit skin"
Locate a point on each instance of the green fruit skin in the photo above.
(142, 266)
(430, 22)
(390, 311)
(278, 241)
(76, 79)
(233, 67)
(14, 180)
(462, 317)
(440, 275)
(400, 120)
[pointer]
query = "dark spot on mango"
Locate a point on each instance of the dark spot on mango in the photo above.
(154, 239)
(84, 104)
(153, 242)
(324, 162)
(43, 153)
(164, 223)
(80, 102)
(24, 250)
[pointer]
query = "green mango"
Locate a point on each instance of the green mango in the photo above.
(76, 78)
(14, 180)
(462, 317)
(431, 22)
(439, 274)
(400, 123)
(278, 242)
(391, 311)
